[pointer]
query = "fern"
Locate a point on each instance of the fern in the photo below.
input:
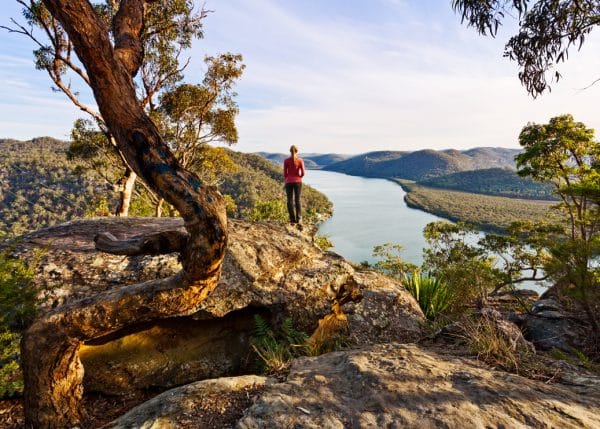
(293, 336)
(275, 348)
(261, 328)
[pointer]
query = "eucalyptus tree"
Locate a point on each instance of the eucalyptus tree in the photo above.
(548, 31)
(169, 29)
(564, 153)
(111, 59)
(191, 116)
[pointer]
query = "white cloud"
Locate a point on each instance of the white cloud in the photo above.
(327, 84)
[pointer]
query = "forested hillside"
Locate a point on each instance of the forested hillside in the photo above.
(40, 187)
(424, 164)
(493, 181)
(258, 181)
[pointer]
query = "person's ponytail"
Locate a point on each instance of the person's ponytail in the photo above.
(294, 153)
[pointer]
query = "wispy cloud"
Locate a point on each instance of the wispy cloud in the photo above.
(327, 84)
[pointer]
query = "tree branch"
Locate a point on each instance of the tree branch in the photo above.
(128, 25)
(154, 244)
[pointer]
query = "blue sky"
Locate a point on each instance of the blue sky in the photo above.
(340, 76)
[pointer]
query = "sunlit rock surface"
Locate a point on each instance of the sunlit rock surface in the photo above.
(270, 269)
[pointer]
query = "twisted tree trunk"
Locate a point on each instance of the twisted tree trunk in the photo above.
(52, 371)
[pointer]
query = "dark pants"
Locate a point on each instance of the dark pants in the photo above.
(293, 191)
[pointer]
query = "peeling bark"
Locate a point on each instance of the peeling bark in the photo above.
(125, 193)
(159, 207)
(52, 372)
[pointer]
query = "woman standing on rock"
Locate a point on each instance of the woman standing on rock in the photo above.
(293, 172)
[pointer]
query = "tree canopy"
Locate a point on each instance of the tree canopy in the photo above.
(169, 28)
(548, 31)
(564, 152)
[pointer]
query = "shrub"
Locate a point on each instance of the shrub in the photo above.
(390, 262)
(485, 340)
(268, 210)
(18, 297)
(18, 304)
(323, 242)
(433, 294)
(11, 378)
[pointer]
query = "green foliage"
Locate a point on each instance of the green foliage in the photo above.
(454, 255)
(275, 348)
(191, 116)
(18, 305)
(291, 335)
(475, 265)
(563, 152)
(323, 242)
(434, 295)
(273, 210)
(99, 209)
(390, 261)
(470, 265)
(212, 164)
(93, 151)
(11, 378)
(39, 187)
(188, 115)
(230, 205)
(18, 297)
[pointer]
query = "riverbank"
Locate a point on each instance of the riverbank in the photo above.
(488, 213)
(367, 213)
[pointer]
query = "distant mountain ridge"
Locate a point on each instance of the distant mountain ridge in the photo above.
(424, 164)
(417, 165)
(481, 170)
(311, 160)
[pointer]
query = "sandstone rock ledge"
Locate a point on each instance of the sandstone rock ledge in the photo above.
(404, 385)
(381, 386)
(270, 269)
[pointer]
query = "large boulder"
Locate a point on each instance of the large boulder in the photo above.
(386, 385)
(549, 326)
(404, 385)
(217, 403)
(270, 269)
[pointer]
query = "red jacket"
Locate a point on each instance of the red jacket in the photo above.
(293, 173)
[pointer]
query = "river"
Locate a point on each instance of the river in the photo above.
(368, 212)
